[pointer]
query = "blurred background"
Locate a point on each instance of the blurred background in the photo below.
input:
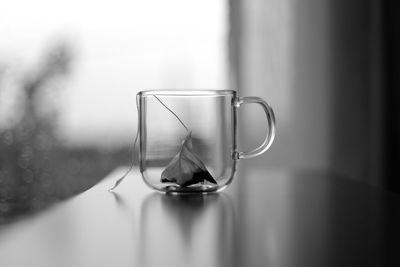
(69, 74)
(70, 70)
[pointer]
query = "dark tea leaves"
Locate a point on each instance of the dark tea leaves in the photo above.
(186, 168)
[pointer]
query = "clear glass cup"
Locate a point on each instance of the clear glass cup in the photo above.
(188, 138)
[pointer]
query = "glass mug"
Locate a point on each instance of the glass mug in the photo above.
(188, 138)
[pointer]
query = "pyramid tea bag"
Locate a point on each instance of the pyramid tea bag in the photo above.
(186, 168)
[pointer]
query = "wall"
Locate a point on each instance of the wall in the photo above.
(311, 60)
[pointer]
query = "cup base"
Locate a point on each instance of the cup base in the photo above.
(194, 189)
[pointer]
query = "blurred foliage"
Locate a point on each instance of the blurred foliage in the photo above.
(35, 169)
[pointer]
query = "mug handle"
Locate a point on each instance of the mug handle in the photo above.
(270, 136)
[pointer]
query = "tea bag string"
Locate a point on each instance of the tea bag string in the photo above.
(132, 152)
(136, 138)
(186, 128)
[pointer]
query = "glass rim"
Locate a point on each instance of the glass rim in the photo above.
(187, 92)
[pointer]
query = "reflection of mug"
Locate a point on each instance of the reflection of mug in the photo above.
(188, 138)
(195, 230)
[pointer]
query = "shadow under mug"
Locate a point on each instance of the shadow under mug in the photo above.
(188, 138)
